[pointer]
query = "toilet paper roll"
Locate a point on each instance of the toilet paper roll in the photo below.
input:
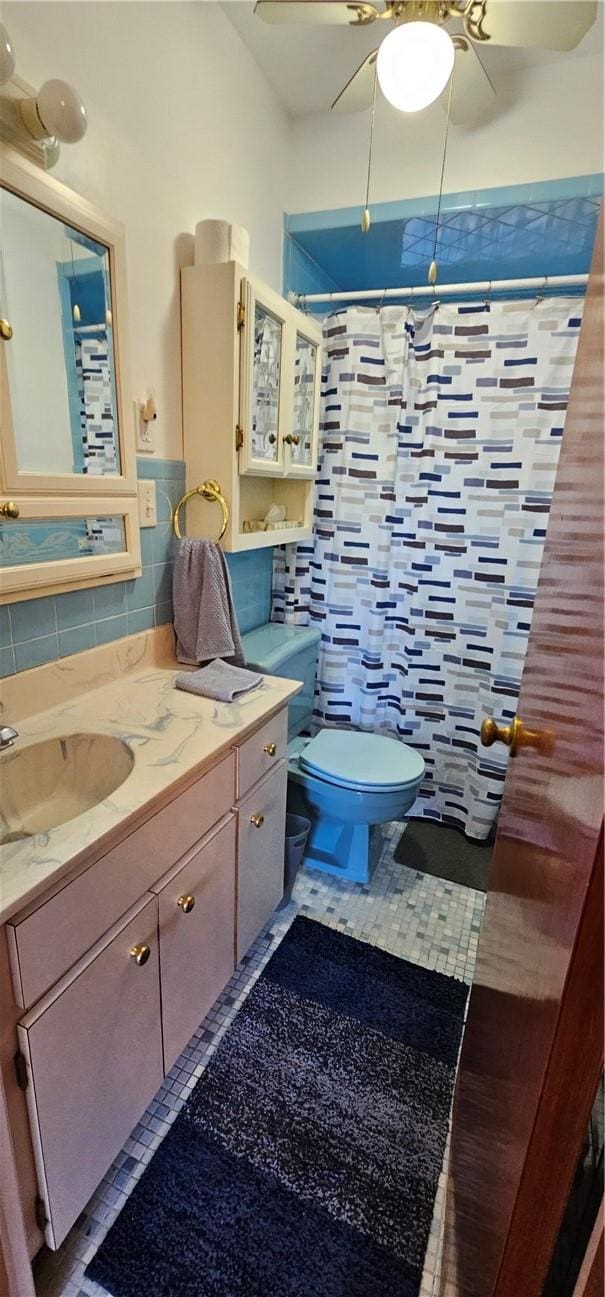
(217, 241)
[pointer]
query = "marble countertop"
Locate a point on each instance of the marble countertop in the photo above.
(172, 734)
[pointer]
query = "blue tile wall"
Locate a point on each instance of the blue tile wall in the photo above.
(42, 630)
(251, 580)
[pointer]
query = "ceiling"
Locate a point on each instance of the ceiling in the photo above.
(307, 66)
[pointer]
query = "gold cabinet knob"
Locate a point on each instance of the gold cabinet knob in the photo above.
(270, 749)
(9, 509)
(516, 736)
(186, 903)
(6, 330)
(140, 954)
(257, 821)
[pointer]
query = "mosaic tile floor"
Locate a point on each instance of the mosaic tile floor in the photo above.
(418, 917)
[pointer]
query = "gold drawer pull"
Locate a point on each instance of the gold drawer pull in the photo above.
(6, 330)
(140, 954)
(257, 821)
(186, 903)
(9, 509)
(270, 749)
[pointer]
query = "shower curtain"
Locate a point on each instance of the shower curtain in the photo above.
(439, 444)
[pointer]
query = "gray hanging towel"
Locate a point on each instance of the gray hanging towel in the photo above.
(205, 620)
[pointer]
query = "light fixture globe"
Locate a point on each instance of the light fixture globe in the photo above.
(7, 56)
(414, 65)
(57, 112)
(62, 111)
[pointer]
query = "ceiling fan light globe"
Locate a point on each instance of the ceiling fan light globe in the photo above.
(414, 64)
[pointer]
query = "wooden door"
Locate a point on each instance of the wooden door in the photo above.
(93, 1051)
(260, 856)
(197, 921)
(532, 1050)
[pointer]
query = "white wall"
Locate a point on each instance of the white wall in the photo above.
(182, 125)
(547, 122)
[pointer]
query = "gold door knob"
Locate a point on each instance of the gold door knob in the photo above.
(270, 749)
(257, 821)
(515, 736)
(140, 954)
(295, 439)
(186, 903)
(288, 439)
(6, 330)
(9, 509)
(272, 438)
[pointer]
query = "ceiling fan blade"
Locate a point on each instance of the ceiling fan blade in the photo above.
(559, 26)
(472, 90)
(358, 93)
(329, 14)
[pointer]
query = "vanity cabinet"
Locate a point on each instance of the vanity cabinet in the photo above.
(251, 391)
(93, 1052)
(196, 925)
(260, 856)
(120, 964)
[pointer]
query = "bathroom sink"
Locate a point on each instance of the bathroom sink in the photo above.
(46, 784)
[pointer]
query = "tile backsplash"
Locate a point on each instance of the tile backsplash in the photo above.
(41, 630)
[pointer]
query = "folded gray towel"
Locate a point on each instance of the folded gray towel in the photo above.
(205, 620)
(219, 680)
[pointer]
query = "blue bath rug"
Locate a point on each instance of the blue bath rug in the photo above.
(305, 1162)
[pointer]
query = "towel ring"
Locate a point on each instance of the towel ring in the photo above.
(210, 490)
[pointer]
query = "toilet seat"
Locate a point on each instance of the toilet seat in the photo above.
(362, 761)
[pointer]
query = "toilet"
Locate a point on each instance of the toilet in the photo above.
(347, 782)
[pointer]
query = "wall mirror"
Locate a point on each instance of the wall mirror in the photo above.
(67, 427)
(55, 294)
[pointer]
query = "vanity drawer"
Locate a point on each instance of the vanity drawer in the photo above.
(45, 943)
(260, 753)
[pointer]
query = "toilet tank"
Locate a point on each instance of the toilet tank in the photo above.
(289, 651)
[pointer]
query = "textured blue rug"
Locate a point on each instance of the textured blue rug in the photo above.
(305, 1162)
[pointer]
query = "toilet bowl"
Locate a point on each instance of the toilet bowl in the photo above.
(347, 782)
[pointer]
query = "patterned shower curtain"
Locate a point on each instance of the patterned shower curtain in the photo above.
(439, 445)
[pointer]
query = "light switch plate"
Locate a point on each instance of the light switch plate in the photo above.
(145, 431)
(148, 515)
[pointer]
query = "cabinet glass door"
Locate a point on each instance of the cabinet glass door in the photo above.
(46, 541)
(263, 381)
(302, 440)
(62, 422)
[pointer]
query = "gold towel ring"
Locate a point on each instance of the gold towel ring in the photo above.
(210, 490)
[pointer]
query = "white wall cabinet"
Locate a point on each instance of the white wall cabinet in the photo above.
(251, 392)
(117, 967)
(68, 489)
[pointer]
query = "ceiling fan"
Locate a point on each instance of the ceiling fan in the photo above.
(422, 63)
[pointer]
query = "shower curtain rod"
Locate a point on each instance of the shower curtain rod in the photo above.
(441, 290)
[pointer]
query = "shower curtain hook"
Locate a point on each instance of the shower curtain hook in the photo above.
(381, 302)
